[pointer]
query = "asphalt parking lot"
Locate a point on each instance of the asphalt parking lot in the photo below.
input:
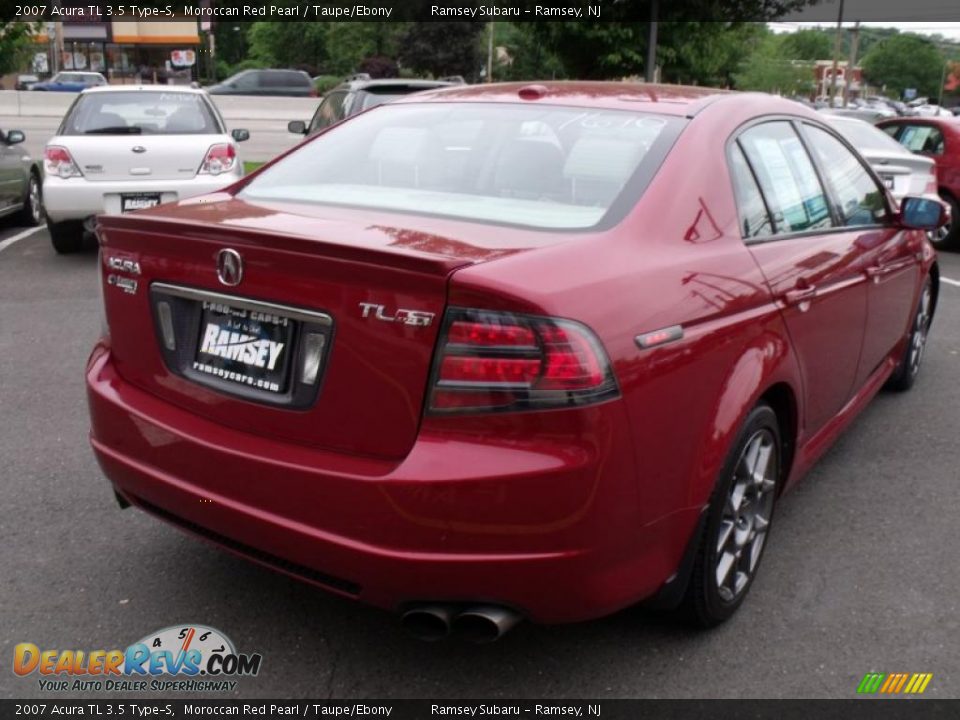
(862, 573)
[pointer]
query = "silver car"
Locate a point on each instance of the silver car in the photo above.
(125, 148)
(19, 180)
(903, 172)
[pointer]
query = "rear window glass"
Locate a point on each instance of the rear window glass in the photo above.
(141, 113)
(864, 136)
(542, 167)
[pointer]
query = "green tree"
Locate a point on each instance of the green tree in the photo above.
(287, 44)
(16, 44)
(813, 44)
(443, 48)
(904, 61)
(350, 43)
(526, 57)
(231, 41)
(772, 67)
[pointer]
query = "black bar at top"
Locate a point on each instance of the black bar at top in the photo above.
(927, 12)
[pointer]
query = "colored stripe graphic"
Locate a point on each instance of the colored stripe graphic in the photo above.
(894, 683)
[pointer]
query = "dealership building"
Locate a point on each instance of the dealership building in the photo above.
(123, 50)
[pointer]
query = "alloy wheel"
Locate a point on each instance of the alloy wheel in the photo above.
(36, 207)
(921, 326)
(746, 515)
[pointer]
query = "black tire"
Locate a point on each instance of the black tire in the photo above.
(731, 533)
(948, 237)
(66, 237)
(32, 213)
(908, 368)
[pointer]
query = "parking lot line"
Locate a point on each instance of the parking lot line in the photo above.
(948, 281)
(27, 233)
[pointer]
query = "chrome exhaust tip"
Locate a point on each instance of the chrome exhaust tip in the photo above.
(484, 624)
(427, 622)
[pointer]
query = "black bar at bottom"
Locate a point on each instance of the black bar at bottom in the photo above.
(855, 709)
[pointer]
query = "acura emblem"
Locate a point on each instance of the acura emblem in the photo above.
(229, 267)
(139, 149)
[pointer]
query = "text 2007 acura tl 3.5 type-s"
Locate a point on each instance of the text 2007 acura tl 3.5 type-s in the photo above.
(510, 351)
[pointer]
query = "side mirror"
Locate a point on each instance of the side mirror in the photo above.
(240, 135)
(923, 213)
(14, 137)
(297, 127)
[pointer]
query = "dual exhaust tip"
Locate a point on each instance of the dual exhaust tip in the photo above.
(477, 624)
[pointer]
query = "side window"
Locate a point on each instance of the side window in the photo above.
(754, 219)
(893, 130)
(787, 178)
(860, 197)
(329, 112)
(922, 138)
(246, 81)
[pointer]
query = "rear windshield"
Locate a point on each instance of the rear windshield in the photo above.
(866, 137)
(141, 113)
(535, 166)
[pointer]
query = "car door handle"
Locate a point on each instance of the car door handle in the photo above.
(799, 296)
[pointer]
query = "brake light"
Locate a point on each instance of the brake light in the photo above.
(58, 161)
(931, 188)
(506, 361)
(220, 158)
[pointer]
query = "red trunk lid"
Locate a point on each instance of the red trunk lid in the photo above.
(375, 372)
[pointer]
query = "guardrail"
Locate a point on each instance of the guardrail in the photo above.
(233, 107)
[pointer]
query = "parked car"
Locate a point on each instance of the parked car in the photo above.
(494, 352)
(70, 82)
(289, 83)
(938, 139)
(360, 93)
(129, 147)
(903, 172)
(866, 114)
(26, 82)
(20, 192)
(928, 110)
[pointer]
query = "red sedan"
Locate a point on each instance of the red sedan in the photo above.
(510, 351)
(937, 138)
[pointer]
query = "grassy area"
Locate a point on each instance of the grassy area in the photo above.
(249, 167)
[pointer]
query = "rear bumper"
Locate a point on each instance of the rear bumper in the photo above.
(554, 532)
(78, 198)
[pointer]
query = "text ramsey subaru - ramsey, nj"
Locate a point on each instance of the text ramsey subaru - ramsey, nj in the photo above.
(510, 351)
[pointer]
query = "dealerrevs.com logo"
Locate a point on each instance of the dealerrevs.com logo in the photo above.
(185, 658)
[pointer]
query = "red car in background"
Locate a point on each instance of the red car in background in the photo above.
(939, 139)
(510, 351)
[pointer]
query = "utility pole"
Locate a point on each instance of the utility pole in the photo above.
(489, 54)
(836, 54)
(851, 63)
(943, 81)
(649, 71)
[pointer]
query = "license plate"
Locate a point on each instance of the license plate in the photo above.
(245, 347)
(139, 201)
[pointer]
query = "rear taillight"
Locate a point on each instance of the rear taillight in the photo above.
(58, 161)
(220, 158)
(505, 361)
(931, 188)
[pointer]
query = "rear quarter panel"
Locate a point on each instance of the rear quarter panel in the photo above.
(677, 259)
